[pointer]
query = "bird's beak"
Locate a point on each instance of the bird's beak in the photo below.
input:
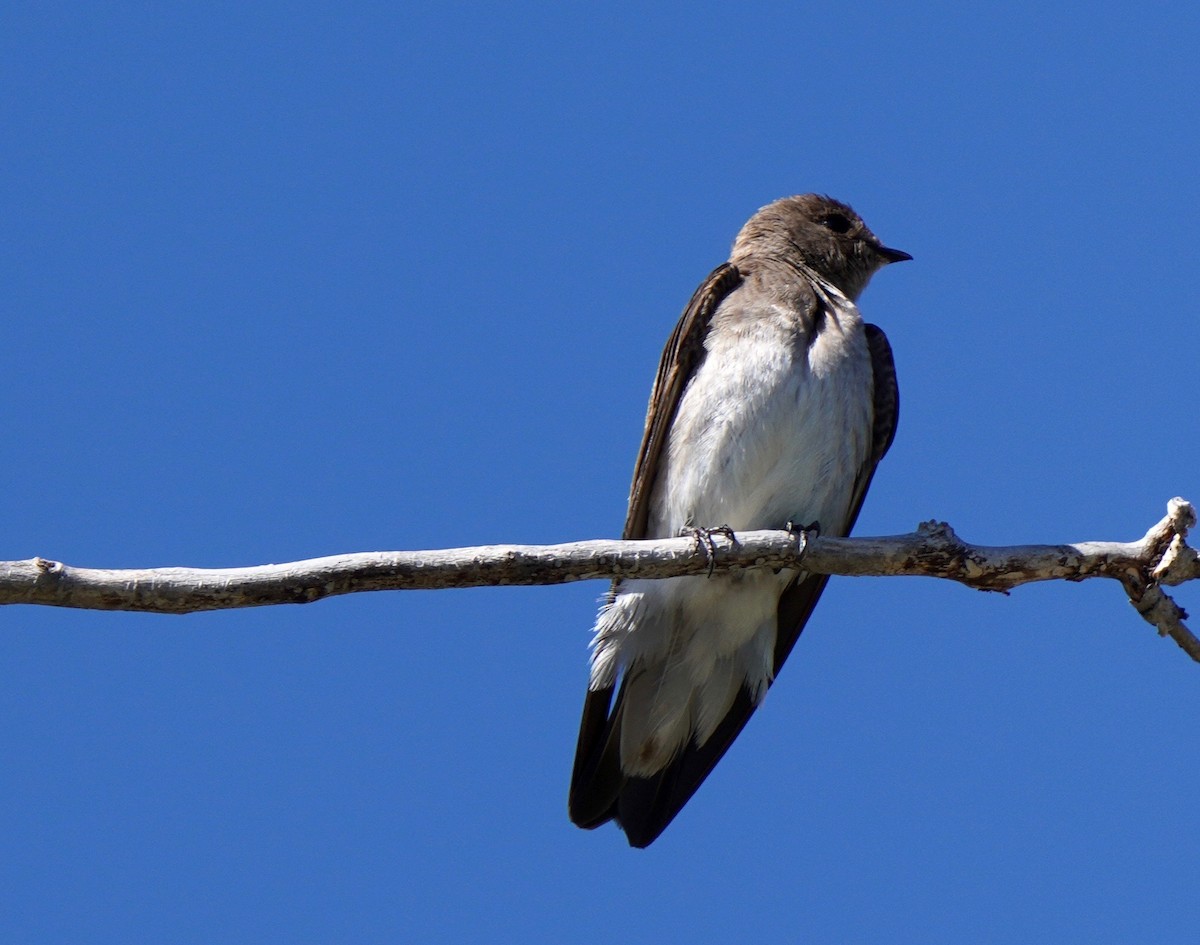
(893, 255)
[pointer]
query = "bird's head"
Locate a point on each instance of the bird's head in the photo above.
(823, 233)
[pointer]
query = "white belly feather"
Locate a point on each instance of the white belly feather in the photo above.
(770, 429)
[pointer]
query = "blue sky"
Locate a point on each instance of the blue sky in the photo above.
(288, 280)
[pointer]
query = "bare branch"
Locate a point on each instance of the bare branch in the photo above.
(1160, 558)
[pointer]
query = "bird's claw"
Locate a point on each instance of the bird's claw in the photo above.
(704, 541)
(803, 533)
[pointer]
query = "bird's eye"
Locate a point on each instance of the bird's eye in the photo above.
(836, 222)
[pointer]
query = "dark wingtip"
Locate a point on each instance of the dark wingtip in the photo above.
(647, 806)
(644, 810)
(639, 842)
(596, 779)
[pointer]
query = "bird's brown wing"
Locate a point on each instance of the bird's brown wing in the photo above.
(646, 806)
(597, 781)
(680, 358)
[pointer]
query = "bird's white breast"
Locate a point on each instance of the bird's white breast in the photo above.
(773, 427)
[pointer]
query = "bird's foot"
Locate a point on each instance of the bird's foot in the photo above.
(704, 541)
(803, 533)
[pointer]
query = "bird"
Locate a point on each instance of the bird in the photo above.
(773, 404)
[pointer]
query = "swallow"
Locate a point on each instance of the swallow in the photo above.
(773, 404)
